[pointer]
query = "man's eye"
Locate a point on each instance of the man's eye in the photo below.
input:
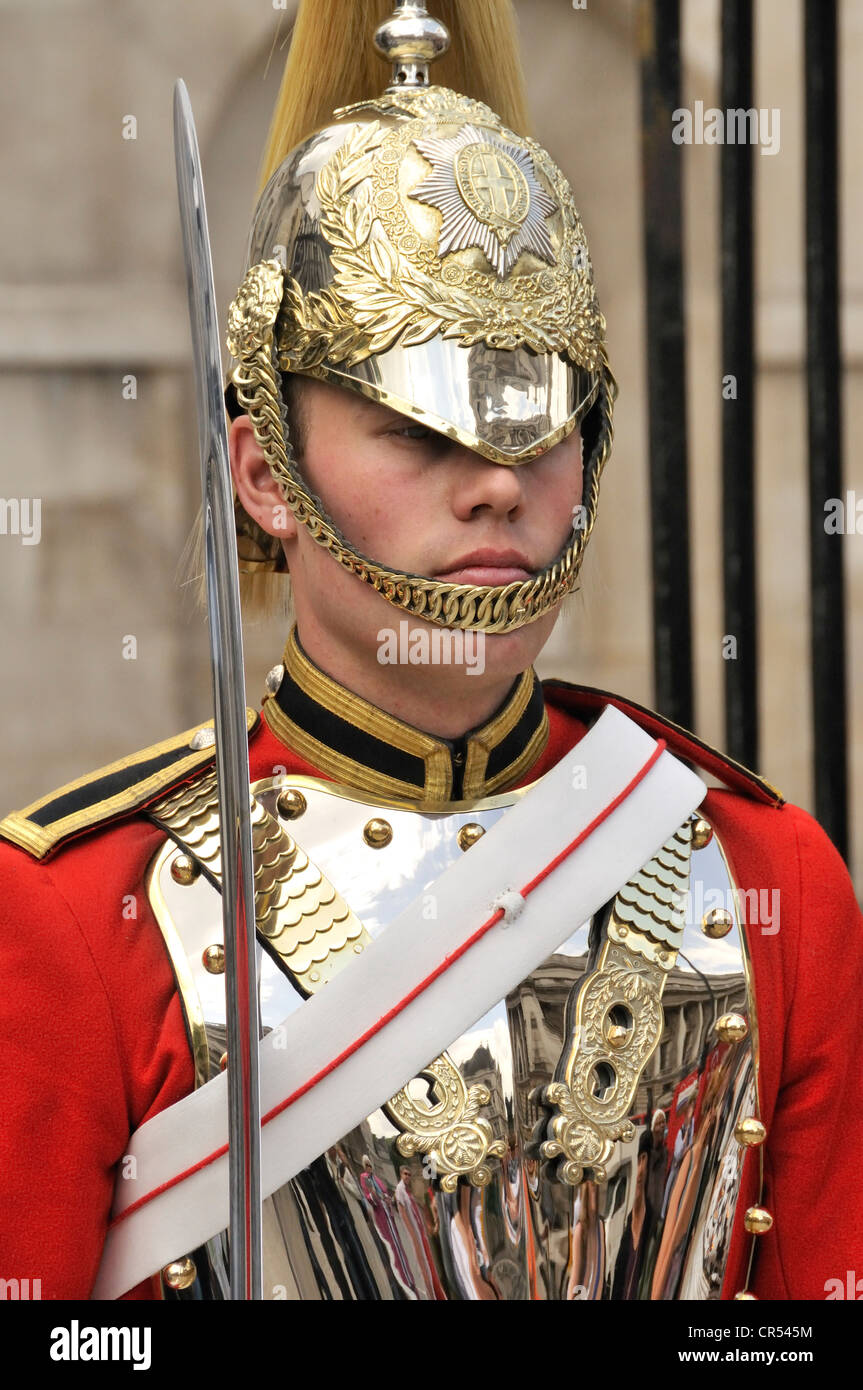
(419, 432)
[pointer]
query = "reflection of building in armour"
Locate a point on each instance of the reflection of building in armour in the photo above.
(536, 1010)
(310, 264)
(482, 1069)
(503, 387)
(691, 1004)
(294, 227)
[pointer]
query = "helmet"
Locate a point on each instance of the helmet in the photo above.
(419, 251)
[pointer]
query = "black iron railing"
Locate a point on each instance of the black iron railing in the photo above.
(666, 361)
(825, 419)
(738, 395)
(663, 240)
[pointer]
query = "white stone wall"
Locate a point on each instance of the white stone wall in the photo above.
(91, 292)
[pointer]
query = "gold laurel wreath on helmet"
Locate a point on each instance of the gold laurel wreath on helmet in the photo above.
(383, 292)
(391, 289)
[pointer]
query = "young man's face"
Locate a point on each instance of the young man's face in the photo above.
(414, 501)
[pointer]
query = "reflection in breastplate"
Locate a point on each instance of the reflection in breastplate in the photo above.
(577, 1143)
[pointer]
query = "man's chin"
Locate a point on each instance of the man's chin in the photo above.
(510, 653)
(414, 650)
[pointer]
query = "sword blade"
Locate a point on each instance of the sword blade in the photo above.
(232, 750)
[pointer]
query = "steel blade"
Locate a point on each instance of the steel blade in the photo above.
(232, 752)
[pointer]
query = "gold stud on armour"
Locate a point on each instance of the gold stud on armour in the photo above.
(469, 834)
(214, 959)
(377, 832)
(749, 1132)
(184, 869)
(717, 923)
(757, 1221)
(731, 1028)
(702, 833)
(291, 804)
(180, 1274)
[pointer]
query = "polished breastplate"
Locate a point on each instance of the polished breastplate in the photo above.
(582, 1140)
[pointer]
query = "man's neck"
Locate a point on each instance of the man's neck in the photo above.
(444, 699)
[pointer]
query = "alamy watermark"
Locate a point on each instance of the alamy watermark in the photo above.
(850, 1288)
(20, 1290)
(21, 516)
(844, 516)
(439, 646)
(736, 126)
(753, 907)
(77, 1343)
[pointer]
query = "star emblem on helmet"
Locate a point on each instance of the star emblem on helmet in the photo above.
(490, 197)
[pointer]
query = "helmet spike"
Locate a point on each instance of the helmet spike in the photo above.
(332, 63)
(411, 39)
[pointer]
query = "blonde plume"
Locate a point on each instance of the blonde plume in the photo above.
(332, 62)
(264, 594)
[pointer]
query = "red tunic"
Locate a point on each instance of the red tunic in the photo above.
(94, 1042)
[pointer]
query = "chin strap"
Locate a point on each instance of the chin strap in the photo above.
(485, 608)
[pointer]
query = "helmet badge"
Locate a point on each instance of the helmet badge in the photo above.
(489, 195)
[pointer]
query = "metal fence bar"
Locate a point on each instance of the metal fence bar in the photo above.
(662, 168)
(825, 404)
(738, 394)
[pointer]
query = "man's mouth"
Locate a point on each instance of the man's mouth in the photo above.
(489, 567)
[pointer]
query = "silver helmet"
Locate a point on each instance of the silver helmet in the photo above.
(418, 251)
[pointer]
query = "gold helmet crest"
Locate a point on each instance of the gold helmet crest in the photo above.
(420, 251)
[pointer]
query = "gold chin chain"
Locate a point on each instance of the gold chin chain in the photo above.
(471, 607)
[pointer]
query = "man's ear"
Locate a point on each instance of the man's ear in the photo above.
(256, 488)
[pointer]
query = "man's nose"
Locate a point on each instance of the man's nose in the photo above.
(480, 485)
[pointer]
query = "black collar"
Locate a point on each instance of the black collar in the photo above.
(354, 742)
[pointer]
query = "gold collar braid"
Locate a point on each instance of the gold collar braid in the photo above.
(471, 607)
(352, 741)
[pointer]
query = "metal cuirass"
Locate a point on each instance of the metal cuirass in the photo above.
(578, 1142)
